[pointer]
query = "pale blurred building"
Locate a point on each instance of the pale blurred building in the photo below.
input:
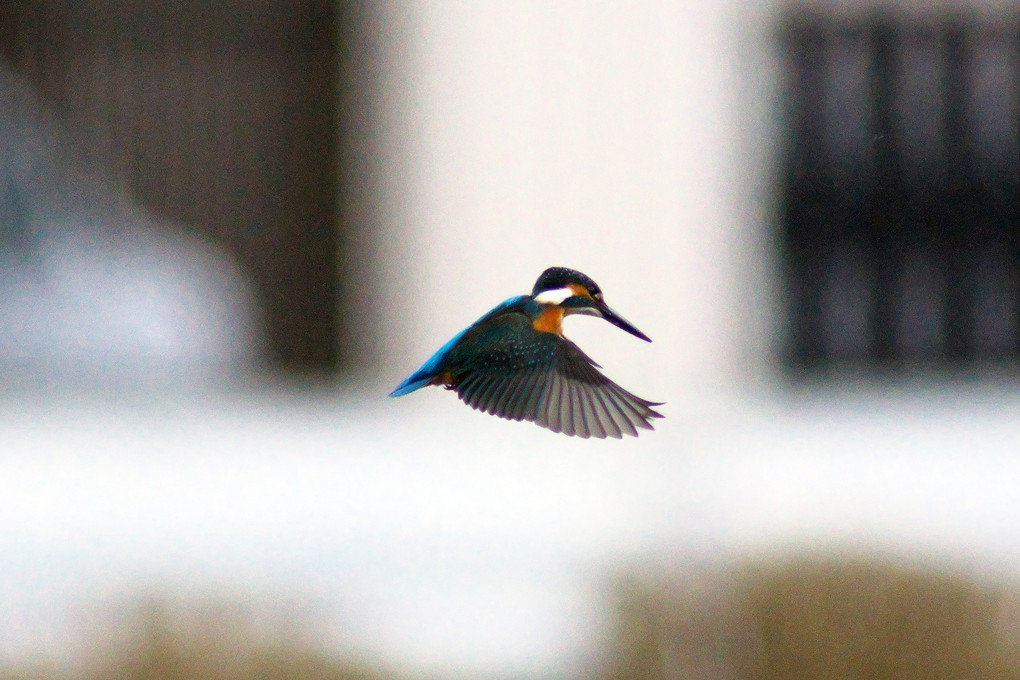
(652, 145)
(198, 139)
(96, 291)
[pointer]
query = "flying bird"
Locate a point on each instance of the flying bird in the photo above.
(515, 363)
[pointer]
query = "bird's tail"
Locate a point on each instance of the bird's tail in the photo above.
(416, 381)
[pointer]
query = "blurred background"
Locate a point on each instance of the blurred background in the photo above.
(227, 230)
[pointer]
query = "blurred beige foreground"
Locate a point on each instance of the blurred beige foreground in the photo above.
(801, 618)
(424, 537)
(844, 616)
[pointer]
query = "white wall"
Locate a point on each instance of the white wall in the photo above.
(609, 138)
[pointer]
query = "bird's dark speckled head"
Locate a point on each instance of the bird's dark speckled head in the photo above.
(554, 278)
(567, 291)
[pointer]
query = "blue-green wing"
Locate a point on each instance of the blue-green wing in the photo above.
(508, 369)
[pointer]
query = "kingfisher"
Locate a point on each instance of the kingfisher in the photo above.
(515, 363)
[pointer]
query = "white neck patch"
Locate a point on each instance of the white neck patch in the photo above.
(554, 296)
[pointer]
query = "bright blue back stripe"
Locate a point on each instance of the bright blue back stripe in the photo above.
(431, 368)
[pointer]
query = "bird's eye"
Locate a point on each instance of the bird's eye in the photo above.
(596, 294)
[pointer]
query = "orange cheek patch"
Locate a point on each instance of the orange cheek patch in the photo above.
(578, 289)
(550, 320)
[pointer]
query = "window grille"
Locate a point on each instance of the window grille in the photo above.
(900, 194)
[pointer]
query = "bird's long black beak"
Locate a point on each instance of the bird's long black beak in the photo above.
(618, 321)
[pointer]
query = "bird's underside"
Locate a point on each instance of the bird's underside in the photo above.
(550, 382)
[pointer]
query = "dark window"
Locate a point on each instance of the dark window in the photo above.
(900, 197)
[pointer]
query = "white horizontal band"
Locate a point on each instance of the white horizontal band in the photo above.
(554, 296)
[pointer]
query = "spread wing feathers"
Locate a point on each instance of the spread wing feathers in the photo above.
(556, 386)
